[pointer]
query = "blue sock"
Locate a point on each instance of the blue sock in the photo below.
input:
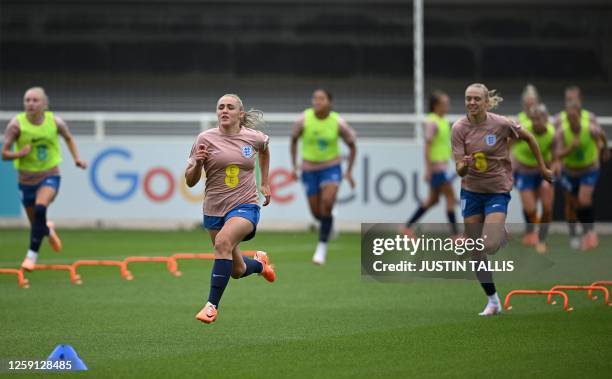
(416, 216)
(252, 266)
(220, 276)
(485, 278)
(326, 225)
(39, 227)
(529, 221)
(452, 220)
(586, 217)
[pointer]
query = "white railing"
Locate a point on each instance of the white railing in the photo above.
(207, 120)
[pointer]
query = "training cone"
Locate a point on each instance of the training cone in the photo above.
(67, 353)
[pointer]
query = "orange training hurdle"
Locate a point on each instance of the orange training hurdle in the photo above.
(538, 292)
(178, 256)
(74, 278)
(601, 283)
(169, 261)
(122, 266)
(21, 280)
(207, 256)
(581, 288)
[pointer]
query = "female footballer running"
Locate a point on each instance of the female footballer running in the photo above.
(227, 154)
(528, 180)
(37, 155)
(319, 127)
(529, 99)
(481, 149)
(437, 154)
(580, 143)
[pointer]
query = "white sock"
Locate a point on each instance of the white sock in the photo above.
(32, 255)
(321, 252)
(322, 247)
(494, 299)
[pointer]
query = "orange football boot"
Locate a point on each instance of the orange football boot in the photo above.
(208, 314)
(268, 269)
(28, 264)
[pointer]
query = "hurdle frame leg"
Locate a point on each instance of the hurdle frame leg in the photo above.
(562, 287)
(170, 263)
(89, 262)
(566, 306)
(601, 283)
(22, 281)
(74, 277)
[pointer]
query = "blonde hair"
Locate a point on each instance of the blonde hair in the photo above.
(42, 93)
(530, 91)
(492, 97)
(252, 119)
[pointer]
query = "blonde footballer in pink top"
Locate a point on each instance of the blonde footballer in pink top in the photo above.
(227, 154)
(481, 146)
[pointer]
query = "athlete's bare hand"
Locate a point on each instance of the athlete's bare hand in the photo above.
(556, 168)
(201, 154)
(547, 174)
(349, 178)
(25, 151)
(468, 159)
(294, 175)
(265, 190)
(463, 165)
(81, 164)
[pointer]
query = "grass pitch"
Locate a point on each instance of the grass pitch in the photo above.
(313, 322)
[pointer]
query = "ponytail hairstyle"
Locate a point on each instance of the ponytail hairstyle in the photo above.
(252, 119)
(434, 99)
(493, 97)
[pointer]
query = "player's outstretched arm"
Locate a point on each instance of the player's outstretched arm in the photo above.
(63, 129)
(264, 165)
(348, 175)
(296, 133)
(603, 143)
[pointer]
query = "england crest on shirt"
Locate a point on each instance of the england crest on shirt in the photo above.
(247, 151)
(490, 139)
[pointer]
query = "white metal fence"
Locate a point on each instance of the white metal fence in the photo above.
(101, 125)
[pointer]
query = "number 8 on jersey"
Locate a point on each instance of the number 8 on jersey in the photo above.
(231, 175)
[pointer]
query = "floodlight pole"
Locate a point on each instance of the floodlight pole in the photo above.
(418, 65)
